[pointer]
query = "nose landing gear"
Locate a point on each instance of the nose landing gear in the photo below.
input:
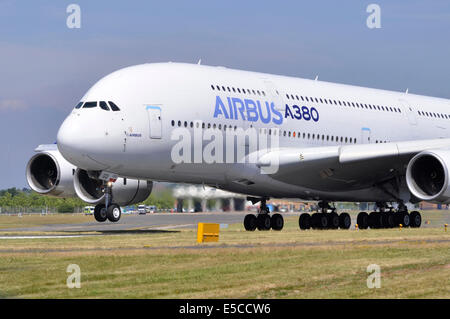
(109, 210)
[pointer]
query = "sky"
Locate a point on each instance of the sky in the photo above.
(46, 67)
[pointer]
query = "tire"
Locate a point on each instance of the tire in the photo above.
(387, 220)
(277, 222)
(323, 221)
(113, 213)
(263, 222)
(405, 219)
(304, 221)
(315, 223)
(250, 222)
(345, 221)
(333, 220)
(415, 219)
(390, 220)
(362, 220)
(375, 220)
(100, 213)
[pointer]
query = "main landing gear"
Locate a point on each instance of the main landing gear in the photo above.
(109, 210)
(263, 221)
(387, 217)
(324, 219)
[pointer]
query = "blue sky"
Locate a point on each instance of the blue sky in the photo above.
(45, 67)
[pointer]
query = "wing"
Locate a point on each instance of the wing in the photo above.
(347, 167)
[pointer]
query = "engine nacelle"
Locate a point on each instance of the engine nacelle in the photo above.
(427, 176)
(49, 173)
(124, 191)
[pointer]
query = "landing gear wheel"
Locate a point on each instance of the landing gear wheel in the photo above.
(404, 219)
(113, 213)
(263, 222)
(250, 222)
(333, 220)
(387, 220)
(304, 221)
(345, 221)
(100, 213)
(375, 220)
(415, 219)
(277, 222)
(315, 221)
(362, 220)
(323, 221)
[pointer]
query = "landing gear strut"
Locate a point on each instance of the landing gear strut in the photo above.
(109, 210)
(387, 217)
(263, 221)
(324, 219)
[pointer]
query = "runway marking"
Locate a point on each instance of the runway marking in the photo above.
(171, 226)
(44, 236)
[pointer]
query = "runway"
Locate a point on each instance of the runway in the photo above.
(165, 221)
(142, 222)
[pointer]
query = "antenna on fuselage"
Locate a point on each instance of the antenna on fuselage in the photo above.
(199, 62)
(406, 92)
(317, 77)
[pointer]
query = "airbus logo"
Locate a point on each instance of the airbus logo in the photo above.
(255, 110)
(248, 110)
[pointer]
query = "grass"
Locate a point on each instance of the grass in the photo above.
(415, 263)
(33, 220)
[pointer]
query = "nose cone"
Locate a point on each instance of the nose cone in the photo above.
(78, 143)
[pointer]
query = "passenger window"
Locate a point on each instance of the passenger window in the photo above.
(113, 106)
(103, 106)
(79, 105)
(89, 105)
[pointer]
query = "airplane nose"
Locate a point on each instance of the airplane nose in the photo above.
(75, 144)
(69, 139)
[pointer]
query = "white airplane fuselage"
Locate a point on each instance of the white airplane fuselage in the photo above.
(157, 99)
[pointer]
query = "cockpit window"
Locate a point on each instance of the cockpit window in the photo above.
(104, 106)
(89, 105)
(113, 106)
(79, 105)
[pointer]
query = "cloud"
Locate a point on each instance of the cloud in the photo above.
(12, 104)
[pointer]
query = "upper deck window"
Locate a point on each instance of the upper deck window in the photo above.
(113, 106)
(89, 105)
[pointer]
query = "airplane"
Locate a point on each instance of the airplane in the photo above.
(316, 141)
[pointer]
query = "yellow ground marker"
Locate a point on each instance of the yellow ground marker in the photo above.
(207, 232)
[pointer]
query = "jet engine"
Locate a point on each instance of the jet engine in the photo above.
(427, 176)
(124, 191)
(49, 173)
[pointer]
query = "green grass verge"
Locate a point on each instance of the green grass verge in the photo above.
(415, 263)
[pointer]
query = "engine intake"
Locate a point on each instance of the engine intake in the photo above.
(427, 176)
(49, 173)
